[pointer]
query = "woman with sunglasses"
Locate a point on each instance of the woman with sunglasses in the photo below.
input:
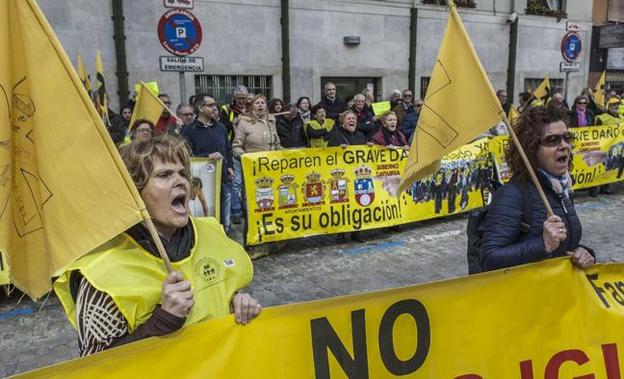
(509, 240)
(581, 115)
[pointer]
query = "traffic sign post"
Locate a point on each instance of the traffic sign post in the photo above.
(180, 33)
(571, 47)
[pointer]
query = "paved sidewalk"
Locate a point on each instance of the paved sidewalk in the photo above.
(316, 268)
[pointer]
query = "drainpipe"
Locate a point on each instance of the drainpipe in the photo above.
(120, 51)
(412, 49)
(511, 65)
(285, 52)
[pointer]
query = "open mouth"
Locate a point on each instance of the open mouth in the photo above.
(178, 204)
(563, 159)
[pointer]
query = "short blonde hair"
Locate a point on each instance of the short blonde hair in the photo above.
(139, 157)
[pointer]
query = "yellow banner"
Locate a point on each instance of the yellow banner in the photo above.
(546, 320)
(380, 108)
(303, 192)
(598, 155)
(4, 270)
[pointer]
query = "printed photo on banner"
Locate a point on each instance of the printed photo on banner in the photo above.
(205, 187)
(303, 192)
(598, 155)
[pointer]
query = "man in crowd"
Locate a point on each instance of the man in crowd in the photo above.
(333, 105)
(207, 137)
(405, 107)
(410, 120)
(365, 118)
(166, 119)
(229, 117)
(186, 115)
(612, 116)
(503, 100)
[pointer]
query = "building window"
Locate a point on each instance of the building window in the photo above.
(220, 86)
(424, 83)
(459, 3)
(552, 8)
(347, 87)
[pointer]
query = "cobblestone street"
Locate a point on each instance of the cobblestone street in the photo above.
(315, 268)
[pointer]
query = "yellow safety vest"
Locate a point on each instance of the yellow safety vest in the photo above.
(217, 268)
(314, 124)
(607, 119)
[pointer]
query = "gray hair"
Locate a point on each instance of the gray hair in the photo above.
(240, 90)
(179, 107)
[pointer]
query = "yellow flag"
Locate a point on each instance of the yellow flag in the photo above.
(100, 86)
(84, 77)
(599, 90)
(63, 187)
(542, 92)
(148, 106)
(513, 115)
(460, 104)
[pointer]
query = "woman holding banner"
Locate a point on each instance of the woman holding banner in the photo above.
(507, 239)
(121, 292)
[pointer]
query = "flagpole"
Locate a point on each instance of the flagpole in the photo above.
(156, 237)
(534, 178)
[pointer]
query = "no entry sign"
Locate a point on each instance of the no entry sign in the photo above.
(179, 32)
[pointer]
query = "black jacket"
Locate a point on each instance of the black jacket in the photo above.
(333, 108)
(503, 243)
(339, 136)
(291, 132)
(574, 118)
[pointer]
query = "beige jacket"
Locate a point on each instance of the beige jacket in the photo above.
(255, 135)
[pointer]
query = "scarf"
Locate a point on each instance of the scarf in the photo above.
(581, 117)
(177, 247)
(392, 138)
(305, 116)
(562, 185)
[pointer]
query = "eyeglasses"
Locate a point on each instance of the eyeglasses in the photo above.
(582, 102)
(187, 114)
(210, 105)
(144, 130)
(553, 140)
(407, 95)
(418, 105)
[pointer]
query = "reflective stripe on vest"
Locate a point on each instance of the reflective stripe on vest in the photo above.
(607, 119)
(217, 268)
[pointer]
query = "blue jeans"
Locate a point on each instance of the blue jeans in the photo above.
(226, 201)
(236, 188)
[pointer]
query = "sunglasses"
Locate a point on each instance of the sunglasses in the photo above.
(553, 140)
(419, 105)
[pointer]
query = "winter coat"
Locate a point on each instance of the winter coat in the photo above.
(503, 243)
(254, 135)
(291, 132)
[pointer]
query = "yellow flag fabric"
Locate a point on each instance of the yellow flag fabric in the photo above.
(542, 92)
(147, 106)
(152, 86)
(84, 76)
(460, 104)
(100, 86)
(599, 90)
(63, 187)
(546, 320)
(513, 114)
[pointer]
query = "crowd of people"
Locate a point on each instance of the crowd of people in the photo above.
(253, 123)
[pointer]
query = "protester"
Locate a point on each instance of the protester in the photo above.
(405, 107)
(395, 98)
(304, 108)
(388, 134)
(543, 133)
(256, 131)
(166, 120)
(126, 115)
(611, 116)
(501, 94)
(142, 129)
(276, 105)
(557, 99)
(410, 120)
(591, 105)
(332, 104)
(344, 135)
(369, 96)
(290, 129)
(207, 137)
(366, 122)
(100, 291)
(318, 129)
(230, 115)
(581, 115)
(186, 115)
